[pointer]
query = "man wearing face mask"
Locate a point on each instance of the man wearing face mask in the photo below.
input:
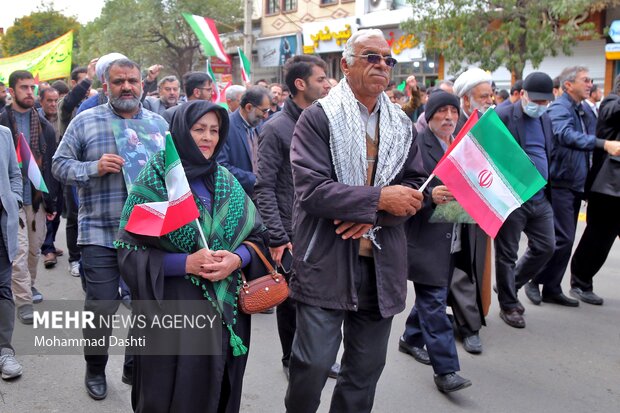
(529, 124)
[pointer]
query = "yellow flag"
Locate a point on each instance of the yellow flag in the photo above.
(50, 61)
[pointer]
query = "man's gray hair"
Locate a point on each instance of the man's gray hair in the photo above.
(167, 79)
(570, 74)
(120, 63)
(444, 82)
(348, 52)
(234, 92)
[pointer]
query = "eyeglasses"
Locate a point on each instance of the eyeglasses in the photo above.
(586, 79)
(375, 59)
(210, 89)
(264, 111)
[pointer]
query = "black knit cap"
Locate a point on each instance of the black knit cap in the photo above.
(438, 100)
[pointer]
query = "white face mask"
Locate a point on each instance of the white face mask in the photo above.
(533, 110)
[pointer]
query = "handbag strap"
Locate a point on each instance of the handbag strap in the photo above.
(260, 254)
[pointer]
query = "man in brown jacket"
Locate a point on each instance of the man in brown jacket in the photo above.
(355, 164)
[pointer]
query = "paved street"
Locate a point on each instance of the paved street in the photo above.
(565, 360)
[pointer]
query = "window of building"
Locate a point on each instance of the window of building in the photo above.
(289, 5)
(273, 7)
(328, 2)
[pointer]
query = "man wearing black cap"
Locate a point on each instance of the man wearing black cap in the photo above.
(530, 125)
(432, 254)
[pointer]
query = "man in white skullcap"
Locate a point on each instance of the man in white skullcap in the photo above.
(473, 87)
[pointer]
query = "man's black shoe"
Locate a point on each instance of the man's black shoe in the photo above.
(586, 296)
(417, 353)
(96, 385)
(512, 318)
(472, 344)
(334, 371)
(520, 308)
(447, 383)
(561, 299)
(533, 293)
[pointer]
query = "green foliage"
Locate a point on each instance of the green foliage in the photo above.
(36, 29)
(494, 33)
(154, 31)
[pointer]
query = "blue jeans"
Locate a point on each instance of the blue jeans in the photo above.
(429, 324)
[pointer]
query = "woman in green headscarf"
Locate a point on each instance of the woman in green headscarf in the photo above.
(177, 269)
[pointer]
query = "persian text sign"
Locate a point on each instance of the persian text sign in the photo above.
(405, 46)
(324, 37)
(50, 61)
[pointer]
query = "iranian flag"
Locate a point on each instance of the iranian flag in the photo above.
(159, 218)
(216, 90)
(246, 70)
(487, 171)
(207, 35)
(222, 100)
(29, 164)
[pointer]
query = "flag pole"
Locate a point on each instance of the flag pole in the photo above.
(425, 184)
(202, 234)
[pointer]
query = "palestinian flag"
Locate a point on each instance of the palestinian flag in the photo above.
(29, 165)
(216, 90)
(159, 218)
(207, 35)
(487, 171)
(246, 71)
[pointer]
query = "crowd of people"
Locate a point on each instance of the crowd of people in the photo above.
(325, 177)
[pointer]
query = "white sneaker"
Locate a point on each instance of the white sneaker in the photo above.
(8, 365)
(74, 268)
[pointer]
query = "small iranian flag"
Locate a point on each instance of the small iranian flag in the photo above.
(216, 90)
(29, 164)
(487, 172)
(207, 35)
(246, 71)
(159, 218)
(222, 100)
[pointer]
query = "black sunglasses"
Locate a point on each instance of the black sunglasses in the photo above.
(375, 59)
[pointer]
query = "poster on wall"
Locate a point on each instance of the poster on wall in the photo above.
(274, 51)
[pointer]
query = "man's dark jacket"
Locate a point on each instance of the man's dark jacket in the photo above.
(512, 116)
(604, 175)
(326, 266)
(48, 135)
(274, 178)
(571, 144)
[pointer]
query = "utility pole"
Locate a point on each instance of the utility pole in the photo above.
(247, 29)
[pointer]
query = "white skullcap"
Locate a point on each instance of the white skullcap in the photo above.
(103, 63)
(469, 80)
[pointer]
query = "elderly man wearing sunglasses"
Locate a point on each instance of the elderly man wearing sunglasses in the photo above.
(356, 170)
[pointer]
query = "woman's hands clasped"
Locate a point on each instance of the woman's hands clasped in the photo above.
(212, 265)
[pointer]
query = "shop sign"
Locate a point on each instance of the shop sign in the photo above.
(274, 51)
(612, 51)
(325, 37)
(405, 46)
(614, 31)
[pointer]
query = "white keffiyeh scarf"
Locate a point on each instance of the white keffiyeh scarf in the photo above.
(348, 137)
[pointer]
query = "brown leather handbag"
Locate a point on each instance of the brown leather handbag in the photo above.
(264, 292)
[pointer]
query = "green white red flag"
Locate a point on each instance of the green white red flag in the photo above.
(29, 164)
(222, 100)
(207, 35)
(246, 67)
(216, 90)
(159, 218)
(487, 171)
